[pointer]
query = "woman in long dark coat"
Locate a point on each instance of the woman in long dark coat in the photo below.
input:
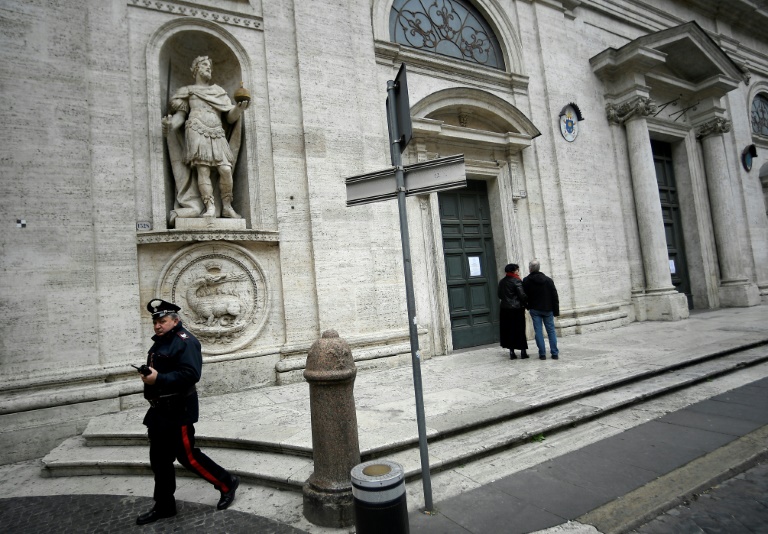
(512, 312)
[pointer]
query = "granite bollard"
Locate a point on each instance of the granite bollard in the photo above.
(331, 372)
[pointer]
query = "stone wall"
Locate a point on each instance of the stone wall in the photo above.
(69, 286)
(87, 187)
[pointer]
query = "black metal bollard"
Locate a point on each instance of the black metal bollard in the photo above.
(378, 488)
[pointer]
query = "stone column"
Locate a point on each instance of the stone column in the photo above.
(653, 241)
(735, 290)
(331, 372)
(660, 299)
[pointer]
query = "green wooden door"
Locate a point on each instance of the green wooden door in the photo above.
(470, 265)
(670, 213)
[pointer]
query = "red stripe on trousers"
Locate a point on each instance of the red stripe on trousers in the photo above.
(200, 469)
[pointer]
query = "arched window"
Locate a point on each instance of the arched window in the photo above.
(452, 28)
(760, 114)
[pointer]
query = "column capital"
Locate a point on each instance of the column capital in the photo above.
(639, 106)
(716, 126)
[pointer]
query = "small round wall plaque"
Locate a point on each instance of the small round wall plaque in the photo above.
(747, 156)
(569, 123)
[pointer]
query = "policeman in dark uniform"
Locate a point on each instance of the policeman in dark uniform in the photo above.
(174, 364)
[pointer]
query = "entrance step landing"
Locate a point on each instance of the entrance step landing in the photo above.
(266, 433)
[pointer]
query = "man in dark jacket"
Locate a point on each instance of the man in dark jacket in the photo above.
(174, 365)
(544, 306)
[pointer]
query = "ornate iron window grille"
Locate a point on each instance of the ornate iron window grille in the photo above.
(760, 114)
(451, 28)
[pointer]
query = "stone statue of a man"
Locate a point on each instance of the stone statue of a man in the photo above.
(211, 139)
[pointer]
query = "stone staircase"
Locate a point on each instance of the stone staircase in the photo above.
(266, 433)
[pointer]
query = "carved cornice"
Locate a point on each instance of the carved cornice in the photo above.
(175, 236)
(392, 54)
(717, 126)
(640, 106)
(214, 15)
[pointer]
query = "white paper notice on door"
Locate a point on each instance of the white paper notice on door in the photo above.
(474, 266)
(672, 266)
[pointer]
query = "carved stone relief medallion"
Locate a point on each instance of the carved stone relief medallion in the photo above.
(222, 292)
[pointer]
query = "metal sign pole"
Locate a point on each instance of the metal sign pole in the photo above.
(395, 148)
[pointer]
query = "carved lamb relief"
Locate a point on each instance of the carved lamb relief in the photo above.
(222, 292)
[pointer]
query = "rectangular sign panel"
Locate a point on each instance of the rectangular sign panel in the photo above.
(420, 178)
(403, 108)
(371, 187)
(435, 175)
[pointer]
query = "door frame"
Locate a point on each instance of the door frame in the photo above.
(492, 152)
(502, 179)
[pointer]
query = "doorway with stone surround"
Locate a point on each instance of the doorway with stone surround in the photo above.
(460, 269)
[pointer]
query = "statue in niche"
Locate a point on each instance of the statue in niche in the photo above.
(210, 140)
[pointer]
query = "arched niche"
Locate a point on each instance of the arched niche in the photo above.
(170, 54)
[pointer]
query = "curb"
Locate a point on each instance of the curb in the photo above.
(668, 491)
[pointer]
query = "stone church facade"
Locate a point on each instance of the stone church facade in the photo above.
(621, 142)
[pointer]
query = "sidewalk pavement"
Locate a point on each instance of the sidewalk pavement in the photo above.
(648, 467)
(540, 484)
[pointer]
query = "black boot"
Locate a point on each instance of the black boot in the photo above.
(228, 497)
(154, 514)
(512, 355)
(524, 354)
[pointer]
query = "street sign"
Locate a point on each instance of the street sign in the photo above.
(420, 178)
(435, 175)
(403, 128)
(397, 182)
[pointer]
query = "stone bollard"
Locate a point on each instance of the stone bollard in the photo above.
(331, 371)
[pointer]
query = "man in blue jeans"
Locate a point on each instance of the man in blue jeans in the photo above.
(543, 305)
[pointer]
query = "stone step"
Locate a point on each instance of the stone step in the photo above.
(117, 444)
(461, 448)
(74, 458)
(125, 428)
